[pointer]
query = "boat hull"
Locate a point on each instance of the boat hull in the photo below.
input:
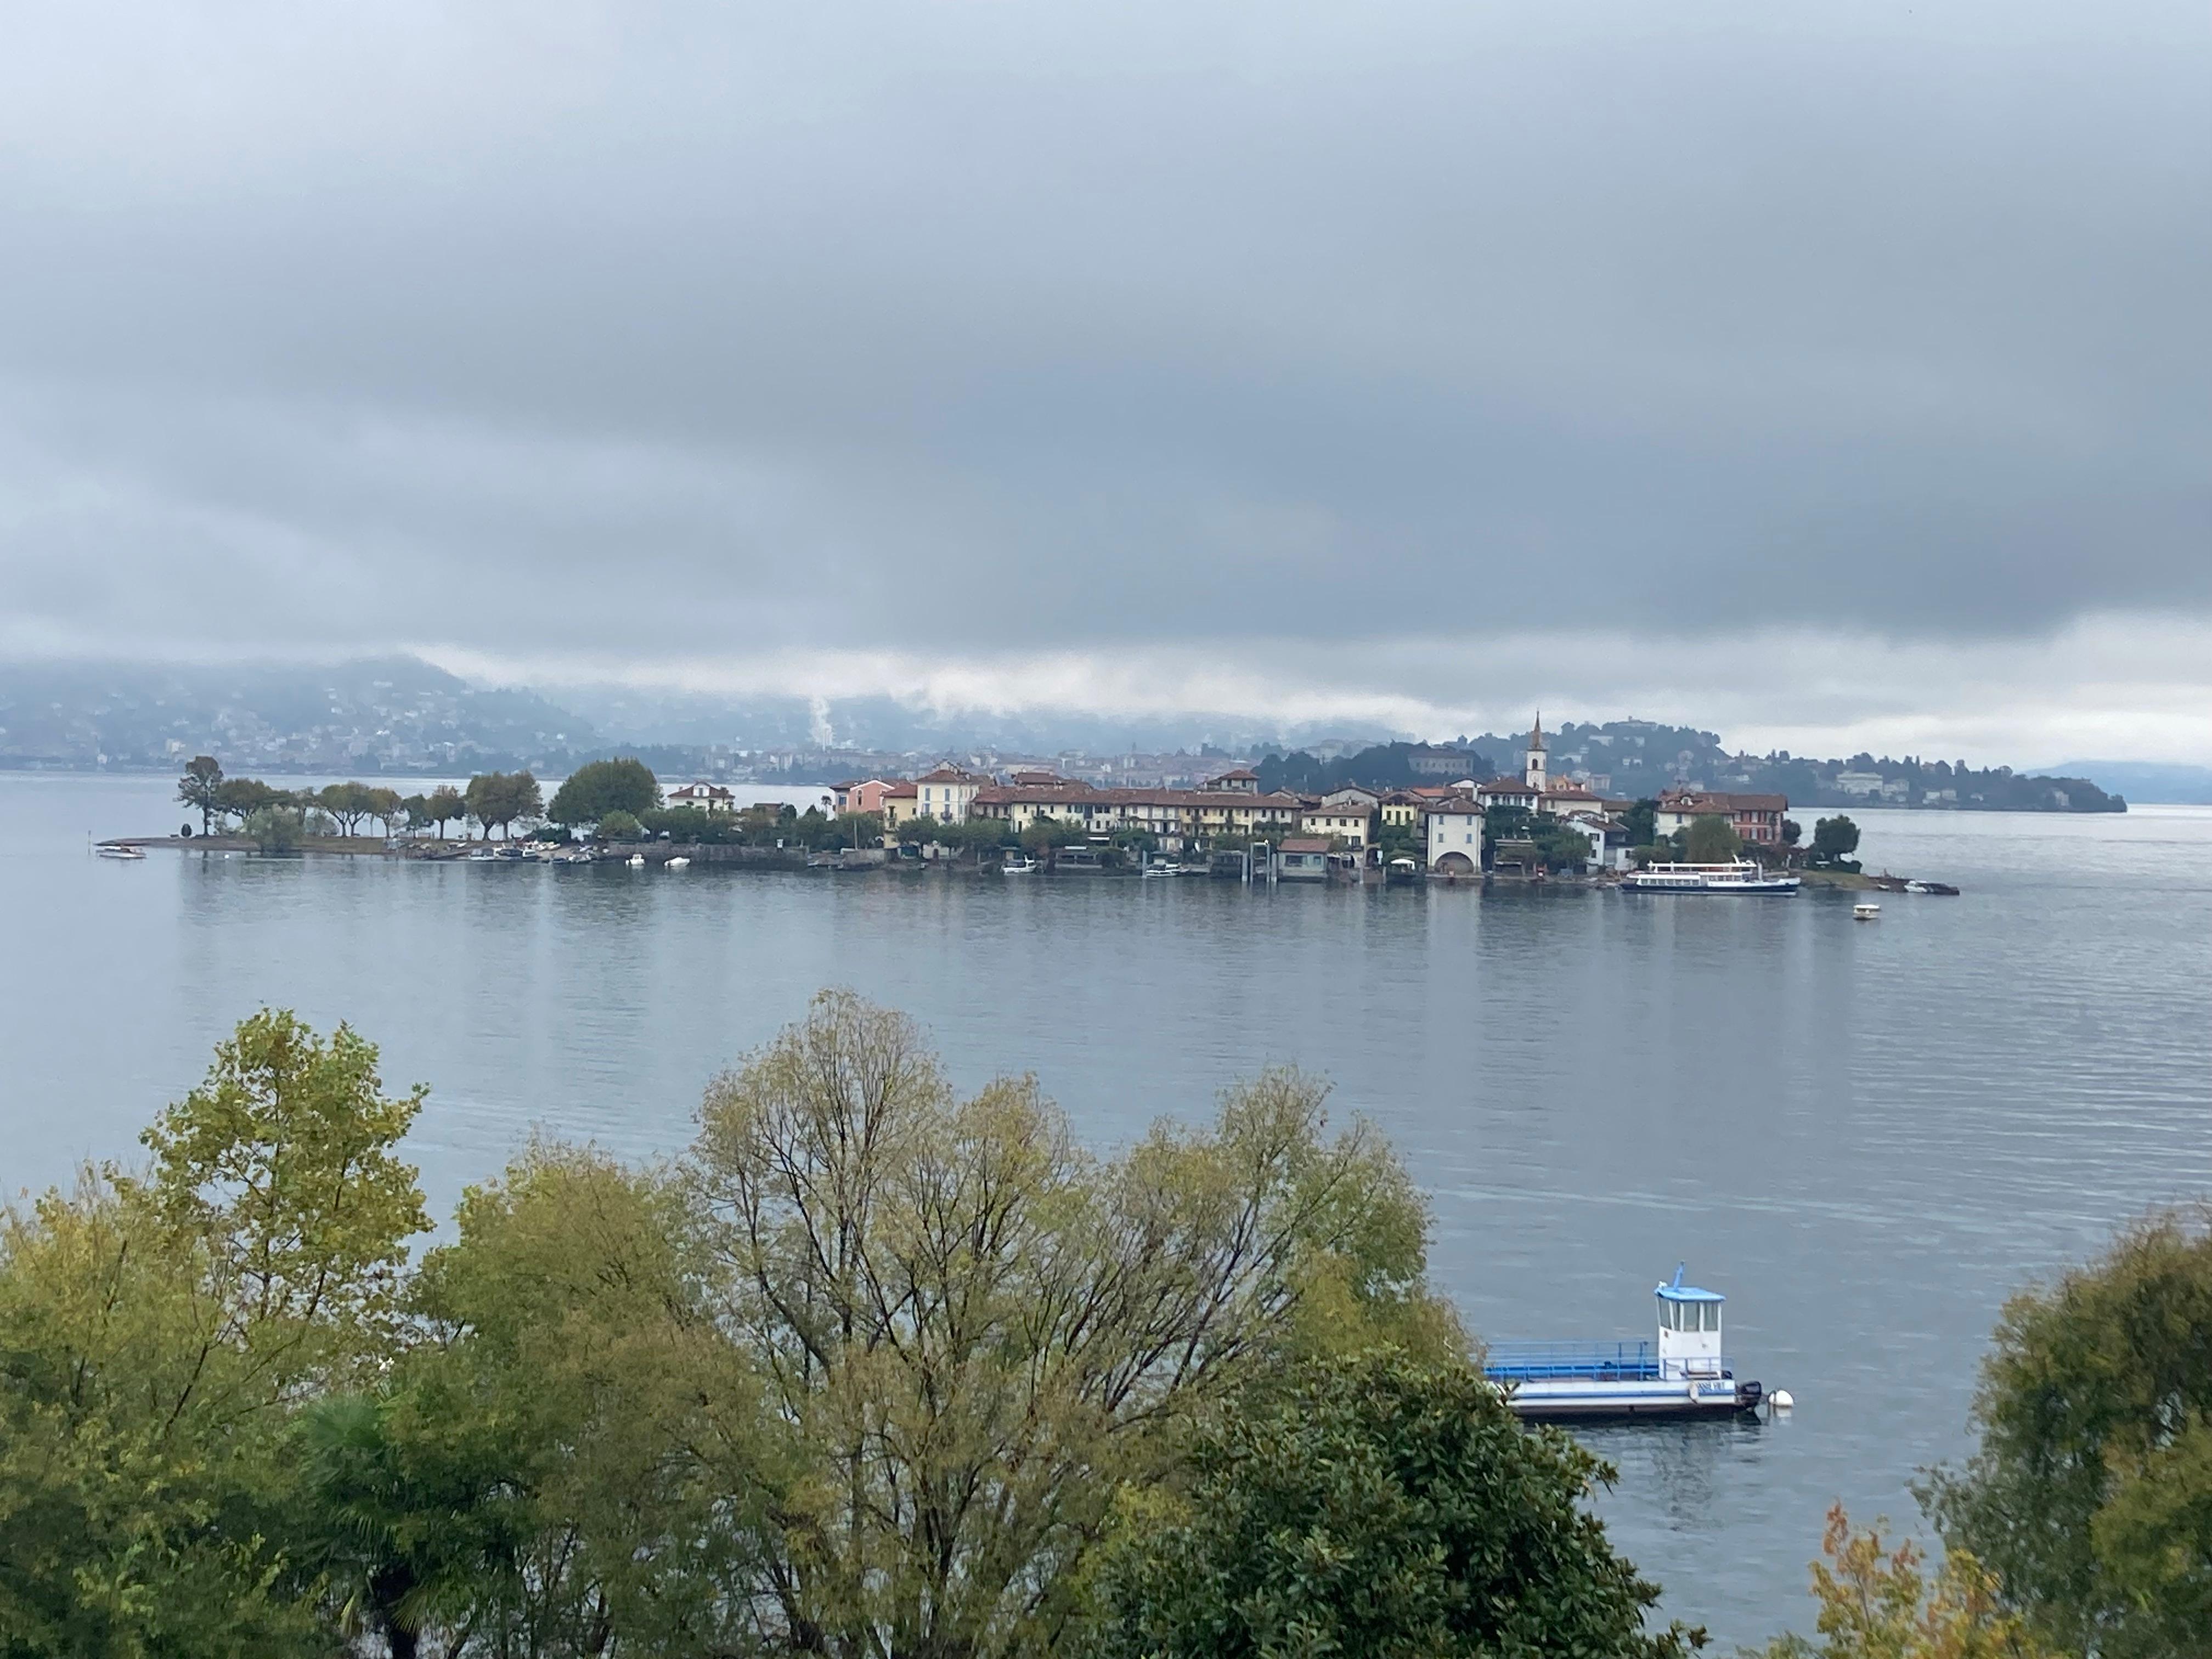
(1588, 1401)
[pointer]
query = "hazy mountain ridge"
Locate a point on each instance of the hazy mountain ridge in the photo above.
(400, 714)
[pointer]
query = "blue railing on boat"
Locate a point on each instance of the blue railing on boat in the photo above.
(1529, 1362)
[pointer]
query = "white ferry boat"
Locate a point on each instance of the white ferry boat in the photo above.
(1685, 1373)
(1738, 876)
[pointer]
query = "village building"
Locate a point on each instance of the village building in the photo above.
(1566, 799)
(946, 792)
(1348, 822)
(1506, 792)
(862, 794)
(901, 804)
(1756, 818)
(1302, 857)
(1432, 760)
(1453, 836)
(1400, 809)
(707, 796)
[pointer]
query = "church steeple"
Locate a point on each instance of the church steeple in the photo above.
(1533, 773)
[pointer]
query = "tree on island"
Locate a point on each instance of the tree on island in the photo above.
(443, 806)
(384, 805)
(349, 803)
(1834, 840)
(1711, 839)
(273, 828)
(1642, 823)
(619, 825)
(201, 788)
(593, 791)
(498, 799)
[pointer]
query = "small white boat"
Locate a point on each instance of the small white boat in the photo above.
(117, 849)
(679, 862)
(1866, 912)
(636, 860)
(1684, 1374)
(1737, 876)
(1017, 863)
(1160, 867)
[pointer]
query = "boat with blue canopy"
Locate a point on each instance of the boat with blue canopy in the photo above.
(1684, 1372)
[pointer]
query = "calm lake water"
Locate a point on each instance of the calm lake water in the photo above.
(1867, 1135)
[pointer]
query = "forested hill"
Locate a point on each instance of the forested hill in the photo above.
(1638, 759)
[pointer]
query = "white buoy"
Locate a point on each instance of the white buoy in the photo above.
(1780, 1399)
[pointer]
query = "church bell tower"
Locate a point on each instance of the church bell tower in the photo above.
(1534, 775)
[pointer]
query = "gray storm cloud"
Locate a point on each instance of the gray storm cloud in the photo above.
(980, 327)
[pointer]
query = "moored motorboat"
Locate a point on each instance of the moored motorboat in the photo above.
(1737, 876)
(1017, 863)
(1866, 912)
(120, 849)
(1685, 1373)
(679, 862)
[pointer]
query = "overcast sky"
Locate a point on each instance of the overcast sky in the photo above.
(1819, 372)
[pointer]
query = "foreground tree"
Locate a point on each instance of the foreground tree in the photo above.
(2090, 1496)
(971, 1334)
(1876, 1602)
(1373, 1507)
(155, 1330)
(592, 792)
(201, 788)
(566, 1465)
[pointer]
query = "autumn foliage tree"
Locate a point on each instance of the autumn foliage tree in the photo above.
(1878, 1600)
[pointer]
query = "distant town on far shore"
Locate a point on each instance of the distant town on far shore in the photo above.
(402, 717)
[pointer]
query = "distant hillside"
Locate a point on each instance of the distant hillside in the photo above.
(1638, 759)
(387, 714)
(2148, 780)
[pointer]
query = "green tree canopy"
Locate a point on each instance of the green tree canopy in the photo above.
(1374, 1507)
(349, 803)
(201, 788)
(2090, 1495)
(970, 1331)
(1877, 1603)
(593, 790)
(1834, 839)
(273, 828)
(619, 825)
(499, 799)
(1643, 823)
(444, 805)
(1711, 839)
(158, 1327)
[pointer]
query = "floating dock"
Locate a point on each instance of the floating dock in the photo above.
(1684, 1372)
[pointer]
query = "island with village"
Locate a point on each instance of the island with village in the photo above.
(1529, 827)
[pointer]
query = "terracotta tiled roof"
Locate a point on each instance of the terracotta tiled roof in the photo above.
(1304, 844)
(1715, 801)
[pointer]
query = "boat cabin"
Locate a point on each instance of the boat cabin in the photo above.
(1689, 1330)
